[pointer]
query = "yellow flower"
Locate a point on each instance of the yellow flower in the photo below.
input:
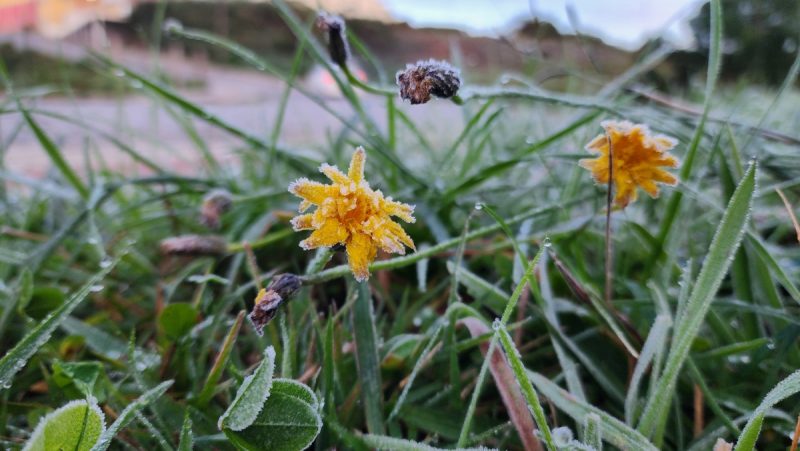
(349, 212)
(638, 157)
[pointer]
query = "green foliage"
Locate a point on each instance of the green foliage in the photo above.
(271, 414)
(289, 420)
(162, 341)
(250, 396)
(77, 425)
(176, 320)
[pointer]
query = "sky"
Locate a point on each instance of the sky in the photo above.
(623, 23)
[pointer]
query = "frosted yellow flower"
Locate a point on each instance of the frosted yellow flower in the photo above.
(638, 157)
(349, 212)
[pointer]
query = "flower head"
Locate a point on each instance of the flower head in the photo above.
(425, 78)
(349, 212)
(637, 158)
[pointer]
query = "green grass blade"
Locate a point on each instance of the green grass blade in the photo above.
(18, 356)
(367, 357)
(614, 431)
(186, 440)
(386, 443)
(593, 435)
(220, 362)
(129, 413)
(656, 339)
(414, 371)
(723, 247)
(784, 389)
(525, 384)
(54, 153)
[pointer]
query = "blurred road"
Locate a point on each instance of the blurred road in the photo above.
(246, 99)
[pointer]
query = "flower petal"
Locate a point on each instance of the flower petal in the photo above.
(361, 252)
(356, 170)
(303, 222)
(313, 192)
(333, 173)
(328, 234)
(399, 209)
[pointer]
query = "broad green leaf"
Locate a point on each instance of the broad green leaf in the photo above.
(250, 397)
(783, 390)
(83, 376)
(18, 356)
(43, 300)
(176, 320)
(288, 421)
(723, 248)
(613, 431)
(129, 412)
(75, 426)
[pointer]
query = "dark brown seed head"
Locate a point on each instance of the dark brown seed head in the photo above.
(286, 285)
(215, 204)
(268, 300)
(338, 49)
(425, 78)
(194, 245)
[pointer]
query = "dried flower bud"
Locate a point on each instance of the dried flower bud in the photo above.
(215, 204)
(286, 285)
(425, 78)
(338, 49)
(268, 300)
(194, 245)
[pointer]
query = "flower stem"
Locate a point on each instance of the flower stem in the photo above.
(609, 197)
(368, 88)
(405, 260)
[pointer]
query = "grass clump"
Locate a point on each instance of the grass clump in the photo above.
(493, 325)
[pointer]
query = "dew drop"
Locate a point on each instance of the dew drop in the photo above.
(172, 25)
(546, 242)
(96, 288)
(479, 206)
(497, 324)
(105, 263)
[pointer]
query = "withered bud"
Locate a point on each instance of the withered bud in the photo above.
(194, 245)
(215, 204)
(268, 300)
(338, 49)
(425, 78)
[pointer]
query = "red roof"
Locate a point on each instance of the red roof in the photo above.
(17, 15)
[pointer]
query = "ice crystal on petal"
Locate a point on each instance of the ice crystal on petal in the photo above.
(352, 214)
(638, 158)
